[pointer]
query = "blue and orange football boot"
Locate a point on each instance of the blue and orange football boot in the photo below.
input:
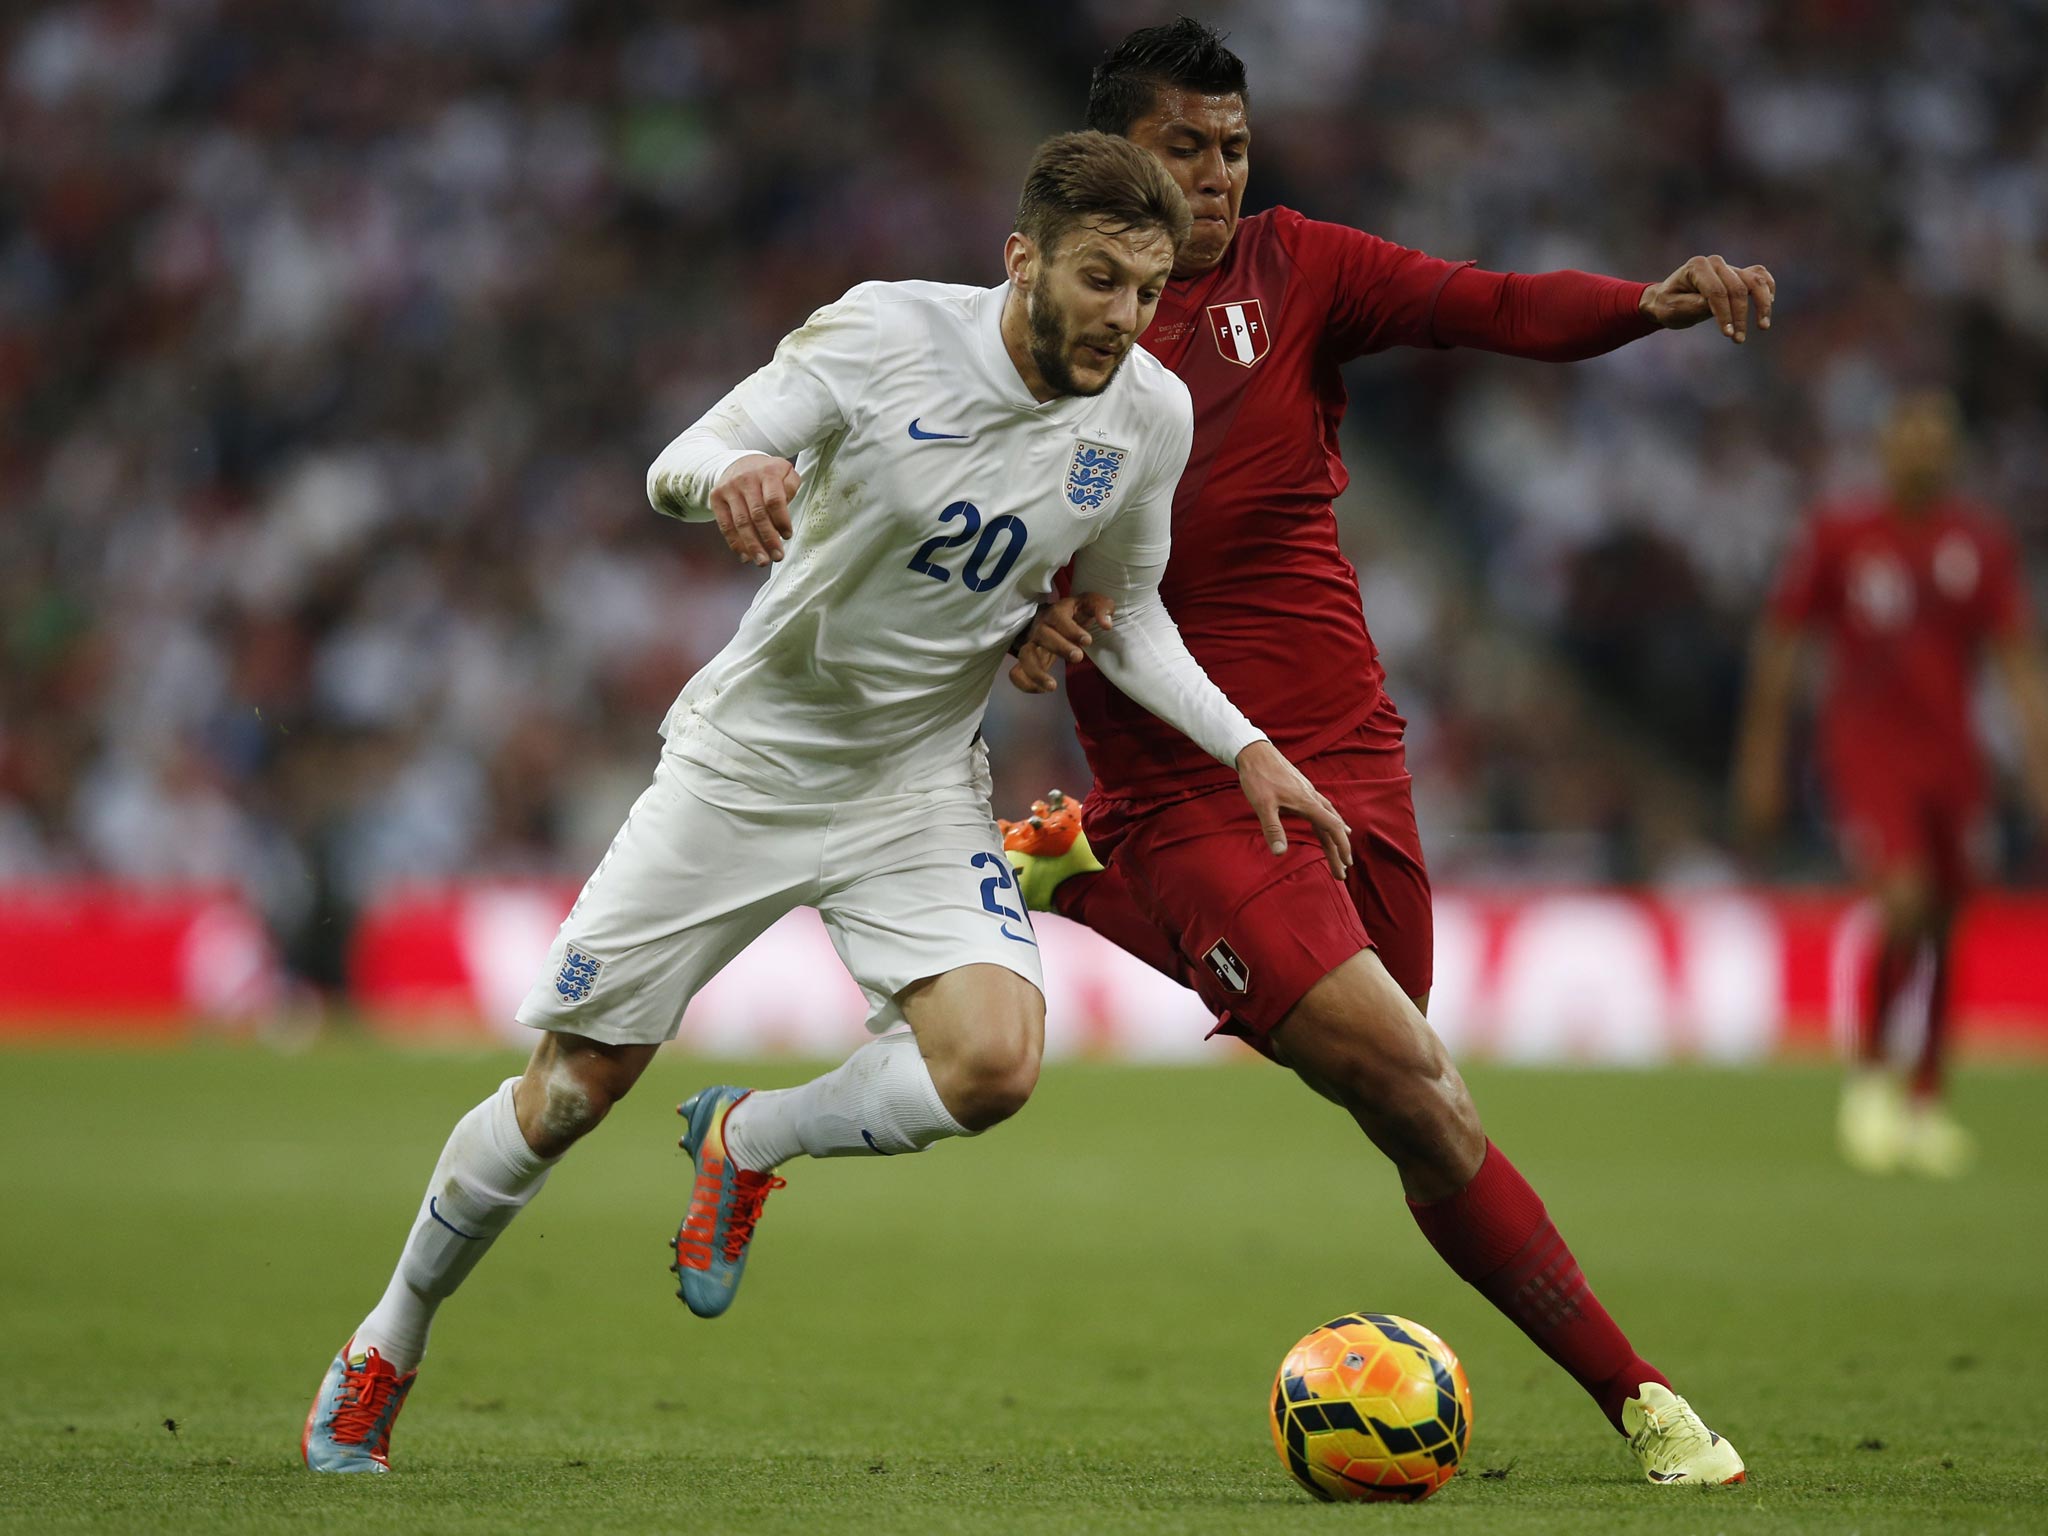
(725, 1203)
(1047, 847)
(348, 1428)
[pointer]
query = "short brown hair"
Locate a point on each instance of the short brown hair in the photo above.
(1100, 180)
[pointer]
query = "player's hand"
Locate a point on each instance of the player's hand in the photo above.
(1273, 785)
(1061, 632)
(1707, 286)
(751, 503)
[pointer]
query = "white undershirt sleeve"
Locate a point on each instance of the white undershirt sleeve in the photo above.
(1144, 654)
(801, 398)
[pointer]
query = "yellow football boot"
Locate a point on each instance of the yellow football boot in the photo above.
(1671, 1442)
(1871, 1125)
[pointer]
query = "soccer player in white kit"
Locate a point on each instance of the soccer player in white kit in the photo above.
(954, 448)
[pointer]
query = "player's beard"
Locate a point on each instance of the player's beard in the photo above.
(1052, 344)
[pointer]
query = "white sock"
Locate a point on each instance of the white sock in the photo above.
(485, 1176)
(879, 1101)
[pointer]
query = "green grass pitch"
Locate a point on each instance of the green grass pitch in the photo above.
(1067, 1326)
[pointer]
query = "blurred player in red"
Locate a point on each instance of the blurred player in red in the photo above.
(1329, 979)
(1909, 590)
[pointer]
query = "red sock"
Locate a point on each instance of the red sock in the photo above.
(1927, 1072)
(1495, 1233)
(1889, 969)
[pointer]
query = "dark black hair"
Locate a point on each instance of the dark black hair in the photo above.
(1183, 54)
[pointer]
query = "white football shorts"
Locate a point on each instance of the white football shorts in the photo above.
(909, 886)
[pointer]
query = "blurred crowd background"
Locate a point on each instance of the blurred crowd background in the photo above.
(335, 338)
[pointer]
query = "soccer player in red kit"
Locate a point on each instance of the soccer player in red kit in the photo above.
(1909, 590)
(1328, 979)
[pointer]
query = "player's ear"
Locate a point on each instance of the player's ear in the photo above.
(1020, 260)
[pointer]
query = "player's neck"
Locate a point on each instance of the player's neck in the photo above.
(1016, 329)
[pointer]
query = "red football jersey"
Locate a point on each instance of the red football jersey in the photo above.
(1907, 604)
(1263, 595)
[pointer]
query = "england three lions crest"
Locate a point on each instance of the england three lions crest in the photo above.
(1091, 475)
(577, 976)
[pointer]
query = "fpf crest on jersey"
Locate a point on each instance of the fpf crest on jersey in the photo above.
(1239, 326)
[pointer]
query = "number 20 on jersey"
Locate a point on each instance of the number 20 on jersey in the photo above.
(997, 543)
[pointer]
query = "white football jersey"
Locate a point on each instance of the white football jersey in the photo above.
(938, 501)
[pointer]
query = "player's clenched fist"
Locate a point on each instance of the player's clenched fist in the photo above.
(1707, 285)
(751, 503)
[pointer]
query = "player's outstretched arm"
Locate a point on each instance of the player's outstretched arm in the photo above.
(1557, 317)
(1386, 295)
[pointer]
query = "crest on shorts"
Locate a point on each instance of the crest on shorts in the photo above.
(577, 975)
(1230, 970)
(1240, 331)
(1091, 475)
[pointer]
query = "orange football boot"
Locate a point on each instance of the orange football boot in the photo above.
(1047, 847)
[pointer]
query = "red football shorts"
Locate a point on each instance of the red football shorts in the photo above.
(1888, 824)
(1192, 889)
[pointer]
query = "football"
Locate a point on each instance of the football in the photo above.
(1371, 1407)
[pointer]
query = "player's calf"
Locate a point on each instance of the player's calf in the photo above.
(1357, 1039)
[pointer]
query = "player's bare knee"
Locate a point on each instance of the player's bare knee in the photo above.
(996, 1076)
(982, 1031)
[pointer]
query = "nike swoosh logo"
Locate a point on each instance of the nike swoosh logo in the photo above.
(918, 434)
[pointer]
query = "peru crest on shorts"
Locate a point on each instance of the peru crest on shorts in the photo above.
(1091, 475)
(1240, 330)
(577, 975)
(1229, 969)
